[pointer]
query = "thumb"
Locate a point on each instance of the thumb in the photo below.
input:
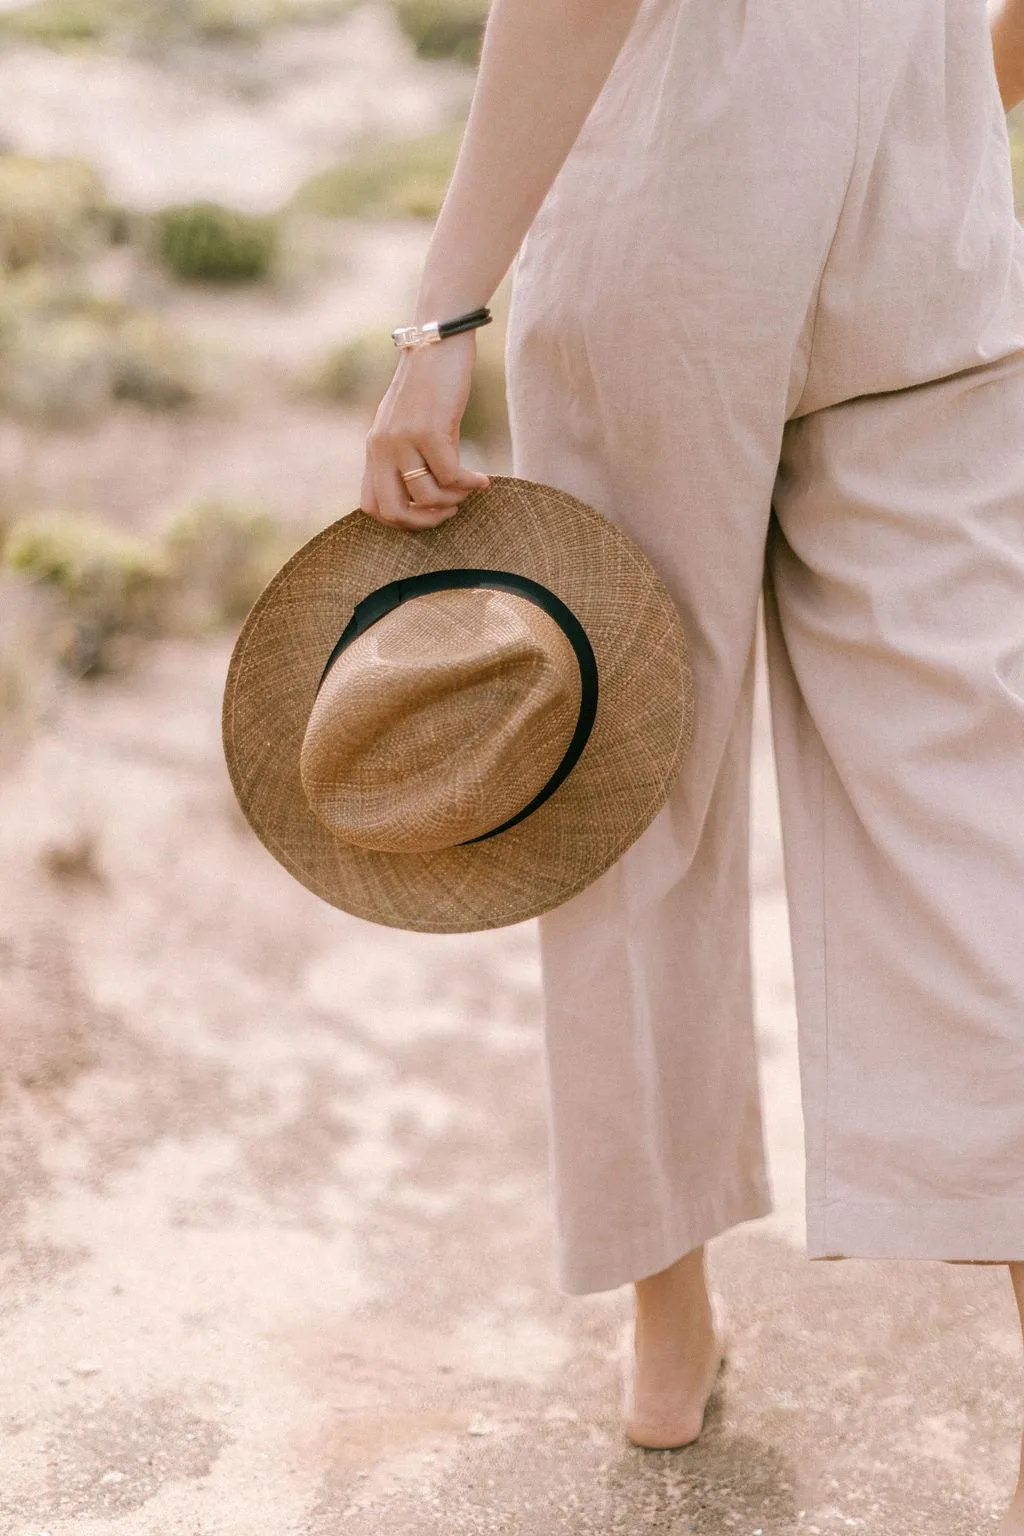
(474, 479)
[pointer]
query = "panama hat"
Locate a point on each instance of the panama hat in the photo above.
(458, 728)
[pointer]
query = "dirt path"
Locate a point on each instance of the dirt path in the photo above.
(276, 1251)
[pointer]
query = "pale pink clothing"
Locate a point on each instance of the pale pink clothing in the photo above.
(780, 269)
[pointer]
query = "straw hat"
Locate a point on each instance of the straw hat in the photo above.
(457, 728)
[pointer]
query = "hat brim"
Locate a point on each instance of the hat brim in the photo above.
(642, 730)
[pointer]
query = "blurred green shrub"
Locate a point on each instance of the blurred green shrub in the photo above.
(236, 18)
(153, 365)
(358, 373)
(205, 242)
(402, 177)
(318, 10)
(243, 19)
(55, 22)
(58, 370)
(444, 29)
(63, 23)
(65, 357)
(106, 590)
(220, 556)
(111, 585)
(50, 210)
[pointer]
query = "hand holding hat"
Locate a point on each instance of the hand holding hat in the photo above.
(459, 727)
(412, 476)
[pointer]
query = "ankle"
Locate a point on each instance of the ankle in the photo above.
(679, 1290)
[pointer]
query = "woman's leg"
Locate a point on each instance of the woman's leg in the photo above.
(897, 670)
(677, 1355)
(660, 320)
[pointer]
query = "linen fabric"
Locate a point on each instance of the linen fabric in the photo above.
(770, 320)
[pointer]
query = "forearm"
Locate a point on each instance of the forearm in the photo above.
(1007, 22)
(542, 66)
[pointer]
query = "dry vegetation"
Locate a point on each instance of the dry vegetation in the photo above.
(51, 210)
(444, 28)
(398, 178)
(131, 23)
(66, 356)
(108, 589)
(204, 242)
(438, 28)
(77, 589)
(81, 593)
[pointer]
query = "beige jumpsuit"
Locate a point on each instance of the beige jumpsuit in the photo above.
(770, 320)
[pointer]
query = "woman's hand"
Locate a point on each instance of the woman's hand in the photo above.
(417, 423)
(542, 67)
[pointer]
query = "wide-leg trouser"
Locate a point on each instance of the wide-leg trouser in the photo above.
(770, 320)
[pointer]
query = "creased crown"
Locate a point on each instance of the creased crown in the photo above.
(441, 721)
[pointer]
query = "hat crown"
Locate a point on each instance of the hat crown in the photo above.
(441, 721)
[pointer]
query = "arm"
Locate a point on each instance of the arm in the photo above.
(1007, 23)
(542, 66)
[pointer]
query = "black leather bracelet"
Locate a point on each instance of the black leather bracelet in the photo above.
(411, 336)
(466, 322)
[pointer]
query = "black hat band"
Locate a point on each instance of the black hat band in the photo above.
(386, 599)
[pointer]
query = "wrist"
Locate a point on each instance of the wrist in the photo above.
(443, 304)
(413, 337)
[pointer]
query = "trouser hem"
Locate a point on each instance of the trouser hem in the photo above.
(991, 1229)
(618, 1263)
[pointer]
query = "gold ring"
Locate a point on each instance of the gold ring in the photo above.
(410, 474)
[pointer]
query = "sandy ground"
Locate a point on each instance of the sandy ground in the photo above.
(277, 1237)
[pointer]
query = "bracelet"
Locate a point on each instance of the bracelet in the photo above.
(411, 336)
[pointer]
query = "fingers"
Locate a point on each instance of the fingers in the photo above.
(395, 506)
(425, 500)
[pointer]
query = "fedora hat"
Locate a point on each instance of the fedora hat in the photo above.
(458, 728)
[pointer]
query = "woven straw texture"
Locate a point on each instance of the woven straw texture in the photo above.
(644, 723)
(486, 673)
